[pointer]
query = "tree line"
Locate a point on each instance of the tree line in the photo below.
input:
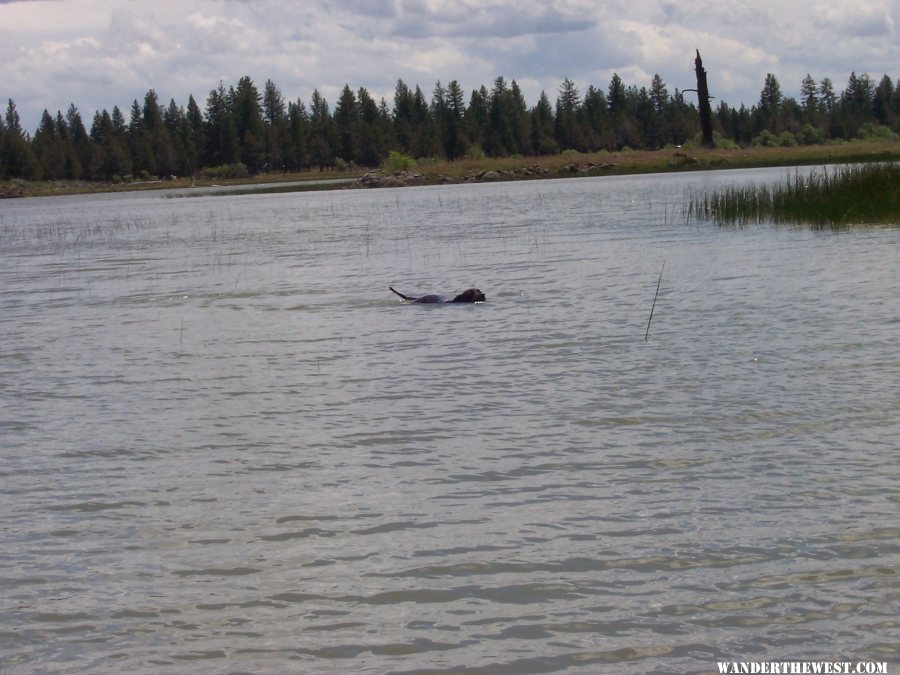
(243, 130)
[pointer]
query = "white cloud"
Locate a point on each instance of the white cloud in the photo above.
(101, 53)
(867, 19)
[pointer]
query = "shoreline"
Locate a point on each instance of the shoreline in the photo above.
(430, 172)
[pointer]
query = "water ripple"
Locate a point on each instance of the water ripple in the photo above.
(225, 447)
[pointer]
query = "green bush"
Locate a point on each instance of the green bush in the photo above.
(237, 170)
(787, 140)
(475, 152)
(398, 162)
(719, 141)
(725, 143)
(810, 135)
(873, 131)
(547, 146)
(766, 140)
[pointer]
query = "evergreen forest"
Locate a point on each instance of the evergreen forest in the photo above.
(242, 131)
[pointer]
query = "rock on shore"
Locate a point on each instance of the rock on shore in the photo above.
(11, 190)
(376, 179)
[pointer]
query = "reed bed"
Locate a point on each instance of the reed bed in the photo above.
(831, 198)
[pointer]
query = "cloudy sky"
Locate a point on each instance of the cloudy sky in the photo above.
(101, 53)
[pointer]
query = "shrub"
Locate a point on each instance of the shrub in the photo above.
(719, 141)
(237, 170)
(398, 162)
(766, 140)
(725, 143)
(787, 140)
(810, 135)
(475, 152)
(547, 146)
(873, 131)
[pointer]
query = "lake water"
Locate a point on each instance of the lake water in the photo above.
(227, 447)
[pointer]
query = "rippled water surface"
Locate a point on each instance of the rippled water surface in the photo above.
(226, 446)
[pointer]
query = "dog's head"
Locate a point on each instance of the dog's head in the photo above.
(470, 295)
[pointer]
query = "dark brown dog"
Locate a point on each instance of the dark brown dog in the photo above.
(470, 295)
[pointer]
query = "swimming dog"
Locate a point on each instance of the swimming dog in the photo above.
(470, 295)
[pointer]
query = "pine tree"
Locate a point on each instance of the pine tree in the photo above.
(684, 119)
(882, 108)
(519, 120)
(594, 121)
(455, 142)
(347, 120)
(276, 127)
(274, 109)
(222, 144)
(477, 119)
(811, 107)
(615, 97)
(175, 138)
(48, 150)
(16, 157)
(647, 133)
(403, 117)
(424, 142)
(386, 136)
(118, 120)
(111, 161)
(372, 140)
(809, 95)
(248, 119)
(657, 129)
(770, 99)
(506, 133)
(82, 144)
(617, 102)
(172, 116)
(72, 168)
(827, 97)
(568, 133)
(543, 138)
(856, 104)
(322, 133)
(895, 107)
(438, 114)
(297, 156)
(192, 137)
(659, 94)
(3, 146)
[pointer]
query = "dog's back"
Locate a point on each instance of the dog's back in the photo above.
(469, 295)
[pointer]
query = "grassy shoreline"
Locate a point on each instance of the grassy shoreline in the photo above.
(510, 168)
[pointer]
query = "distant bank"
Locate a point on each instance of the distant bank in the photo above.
(566, 165)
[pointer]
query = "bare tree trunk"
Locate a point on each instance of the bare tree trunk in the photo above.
(705, 110)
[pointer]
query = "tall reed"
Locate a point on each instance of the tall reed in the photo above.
(836, 197)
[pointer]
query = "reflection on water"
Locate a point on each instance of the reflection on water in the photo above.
(227, 446)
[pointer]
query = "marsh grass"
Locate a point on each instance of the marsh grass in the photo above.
(833, 197)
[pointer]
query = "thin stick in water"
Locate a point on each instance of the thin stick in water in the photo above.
(658, 282)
